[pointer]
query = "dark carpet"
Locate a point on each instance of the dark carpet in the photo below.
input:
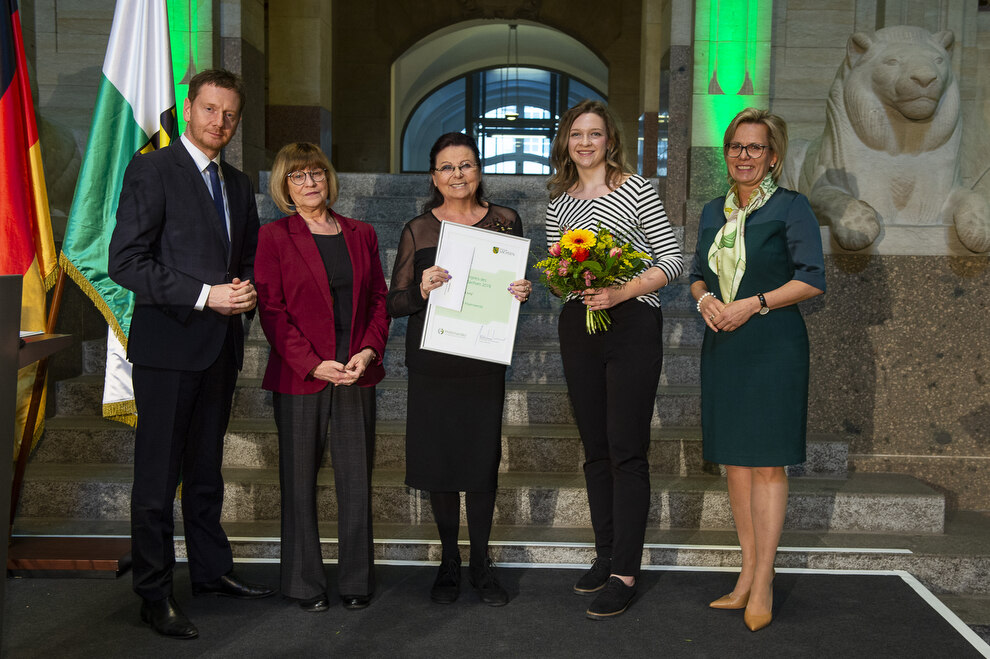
(815, 615)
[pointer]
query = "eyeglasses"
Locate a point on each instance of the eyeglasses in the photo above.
(299, 178)
(465, 167)
(735, 149)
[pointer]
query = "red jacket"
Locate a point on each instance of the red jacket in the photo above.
(296, 308)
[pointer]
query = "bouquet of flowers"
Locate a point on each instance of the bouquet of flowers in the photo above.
(586, 259)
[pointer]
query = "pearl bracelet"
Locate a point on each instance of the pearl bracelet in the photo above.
(703, 297)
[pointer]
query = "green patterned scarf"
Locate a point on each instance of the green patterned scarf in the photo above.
(727, 255)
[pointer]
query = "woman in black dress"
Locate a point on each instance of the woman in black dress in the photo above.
(454, 413)
(759, 253)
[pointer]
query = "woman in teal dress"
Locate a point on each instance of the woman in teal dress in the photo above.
(759, 253)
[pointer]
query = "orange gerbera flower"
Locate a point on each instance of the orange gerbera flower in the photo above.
(578, 238)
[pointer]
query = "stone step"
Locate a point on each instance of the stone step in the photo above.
(539, 448)
(534, 360)
(359, 192)
(885, 503)
(540, 364)
(681, 329)
(531, 363)
(954, 563)
(524, 402)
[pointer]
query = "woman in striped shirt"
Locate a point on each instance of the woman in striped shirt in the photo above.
(612, 376)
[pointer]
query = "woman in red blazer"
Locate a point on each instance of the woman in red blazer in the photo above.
(321, 299)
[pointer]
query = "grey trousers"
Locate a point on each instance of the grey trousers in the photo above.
(302, 421)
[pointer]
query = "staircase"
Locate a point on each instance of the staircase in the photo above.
(80, 476)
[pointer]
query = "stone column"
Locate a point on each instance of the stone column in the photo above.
(299, 74)
(653, 45)
(240, 26)
(679, 64)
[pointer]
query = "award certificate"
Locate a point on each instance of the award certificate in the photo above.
(473, 314)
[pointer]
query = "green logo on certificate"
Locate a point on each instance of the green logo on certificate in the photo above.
(494, 250)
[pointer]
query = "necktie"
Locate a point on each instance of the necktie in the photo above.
(218, 200)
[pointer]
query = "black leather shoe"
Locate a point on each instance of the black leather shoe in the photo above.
(594, 579)
(315, 604)
(486, 583)
(230, 586)
(355, 602)
(447, 585)
(613, 599)
(167, 619)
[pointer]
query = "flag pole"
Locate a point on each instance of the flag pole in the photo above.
(27, 439)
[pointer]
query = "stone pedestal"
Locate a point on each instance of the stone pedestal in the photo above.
(900, 363)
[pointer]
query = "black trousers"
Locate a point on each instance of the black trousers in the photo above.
(302, 421)
(182, 419)
(612, 380)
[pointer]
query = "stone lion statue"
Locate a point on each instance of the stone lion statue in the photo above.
(890, 149)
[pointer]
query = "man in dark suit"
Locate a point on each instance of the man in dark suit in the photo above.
(187, 228)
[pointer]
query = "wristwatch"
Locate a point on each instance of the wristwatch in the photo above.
(764, 309)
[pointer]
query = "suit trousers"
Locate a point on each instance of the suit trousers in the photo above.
(612, 380)
(182, 419)
(302, 421)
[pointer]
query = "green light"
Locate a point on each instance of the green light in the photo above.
(190, 31)
(732, 63)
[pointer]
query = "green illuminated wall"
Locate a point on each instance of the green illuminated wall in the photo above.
(731, 64)
(190, 31)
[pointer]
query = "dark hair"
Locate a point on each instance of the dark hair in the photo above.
(776, 135)
(444, 141)
(221, 78)
(565, 173)
(293, 157)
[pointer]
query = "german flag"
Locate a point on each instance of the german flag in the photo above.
(26, 244)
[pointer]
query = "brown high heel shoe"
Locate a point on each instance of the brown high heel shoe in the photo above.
(755, 621)
(728, 602)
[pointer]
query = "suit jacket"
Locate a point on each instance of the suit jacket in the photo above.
(296, 306)
(168, 242)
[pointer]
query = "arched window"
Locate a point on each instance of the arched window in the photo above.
(512, 112)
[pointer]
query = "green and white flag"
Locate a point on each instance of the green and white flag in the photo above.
(135, 113)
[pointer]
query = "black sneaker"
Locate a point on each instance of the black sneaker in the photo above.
(447, 586)
(486, 583)
(613, 600)
(594, 579)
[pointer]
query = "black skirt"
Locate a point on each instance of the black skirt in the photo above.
(454, 431)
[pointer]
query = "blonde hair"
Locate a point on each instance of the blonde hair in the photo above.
(565, 172)
(776, 135)
(293, 157)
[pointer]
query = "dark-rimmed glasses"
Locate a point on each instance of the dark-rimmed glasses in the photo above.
(754, 150)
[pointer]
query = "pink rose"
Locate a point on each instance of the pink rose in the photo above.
(614, 252)
(555, 249)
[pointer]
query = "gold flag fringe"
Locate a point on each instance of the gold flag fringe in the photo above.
(123, 411)
(93, 295)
